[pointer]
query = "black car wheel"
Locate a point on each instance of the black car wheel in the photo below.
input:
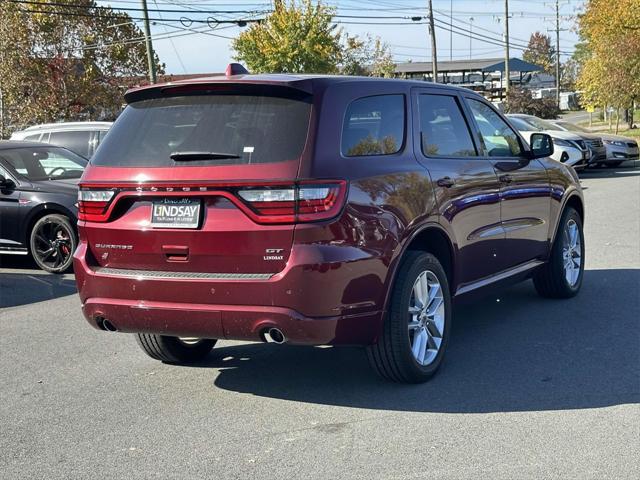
(175, 349)
(561, 276)
(416, 330)
(52, 242)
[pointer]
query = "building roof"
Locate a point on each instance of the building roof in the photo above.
(478, 65)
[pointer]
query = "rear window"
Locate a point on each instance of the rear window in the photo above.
(239, 129)
(75, 140)
(374, 126)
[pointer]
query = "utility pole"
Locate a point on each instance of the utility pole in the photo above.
(451, 31)
(434, 55)
(556, 5)
(147, 38)
(471, 20)
(557, 54)
(506, 44)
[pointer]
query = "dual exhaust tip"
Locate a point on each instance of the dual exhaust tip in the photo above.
(271, 335)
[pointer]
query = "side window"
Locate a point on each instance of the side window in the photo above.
(374, 126)
(443, 129)
(76, 141)
(32, 138)
(499, 139)
(56, 162)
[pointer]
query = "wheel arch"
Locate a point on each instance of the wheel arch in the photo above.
(42, 210)
(574, 201)
(431, 238)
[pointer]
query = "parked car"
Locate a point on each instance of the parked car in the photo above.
(619, 148)
(593, 142)
(80, 137)
(38, 195)
(568, 148)
(316, 210)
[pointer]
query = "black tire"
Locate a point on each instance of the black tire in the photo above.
(391, 357)
(550, 279)
(52, 241)
(172, 349)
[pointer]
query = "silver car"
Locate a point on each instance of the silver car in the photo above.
(80, 137)
(619, 148)
(593, 142)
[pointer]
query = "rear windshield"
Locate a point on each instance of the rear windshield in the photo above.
(238, 129)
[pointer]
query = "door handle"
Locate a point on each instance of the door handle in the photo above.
(445, 182)
(505, 178)
(176, 253)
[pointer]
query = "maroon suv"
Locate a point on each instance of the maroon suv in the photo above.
(316, 210)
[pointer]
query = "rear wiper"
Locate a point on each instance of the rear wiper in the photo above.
(194, 156)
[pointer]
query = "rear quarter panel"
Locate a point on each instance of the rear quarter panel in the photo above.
(390, 197)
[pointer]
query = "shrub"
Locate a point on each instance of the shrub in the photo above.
(521, 101)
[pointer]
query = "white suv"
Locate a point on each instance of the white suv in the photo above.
(80, 137)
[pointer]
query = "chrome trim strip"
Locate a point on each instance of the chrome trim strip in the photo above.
(10, 251)
(498, 276)
(142, 274)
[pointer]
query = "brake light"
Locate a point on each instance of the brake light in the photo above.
(92, 204)
(307, 202)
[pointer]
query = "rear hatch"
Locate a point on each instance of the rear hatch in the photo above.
(199, 179)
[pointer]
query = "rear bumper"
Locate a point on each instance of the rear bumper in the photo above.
(339, 305)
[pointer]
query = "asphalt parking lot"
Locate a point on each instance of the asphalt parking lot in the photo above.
(531, 388)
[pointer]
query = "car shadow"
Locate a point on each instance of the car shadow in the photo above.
(31, 287)
(518, 352)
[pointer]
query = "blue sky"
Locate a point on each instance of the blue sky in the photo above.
(187, 46)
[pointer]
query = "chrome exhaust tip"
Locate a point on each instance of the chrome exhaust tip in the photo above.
(274, 335)
(105, 324)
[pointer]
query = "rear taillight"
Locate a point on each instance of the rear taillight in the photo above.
(92, 204)
(306, 202)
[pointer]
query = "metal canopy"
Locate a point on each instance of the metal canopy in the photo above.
(480, 65)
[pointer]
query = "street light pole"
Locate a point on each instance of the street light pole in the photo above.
(147, 40)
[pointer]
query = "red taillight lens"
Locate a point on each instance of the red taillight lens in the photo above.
(92, 204)
(306, 202)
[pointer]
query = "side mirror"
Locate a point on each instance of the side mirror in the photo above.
(6, 183)
(541, 145)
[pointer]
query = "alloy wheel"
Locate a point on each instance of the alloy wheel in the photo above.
(53, 243)
(426, 318)
(571, 252)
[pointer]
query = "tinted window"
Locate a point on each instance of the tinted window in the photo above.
(76, 141)
(521, 125)
(374, 126)
(43, 163)
(443, 129)
(499, 139)
(252, 128)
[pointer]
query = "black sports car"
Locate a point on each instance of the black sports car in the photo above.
(38, 195)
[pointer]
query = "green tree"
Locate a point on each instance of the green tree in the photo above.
(540, 52)
(366, 56)
(295, 38)
(59, 67)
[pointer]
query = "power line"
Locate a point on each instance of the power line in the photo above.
(208, 21)
(128, 9)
